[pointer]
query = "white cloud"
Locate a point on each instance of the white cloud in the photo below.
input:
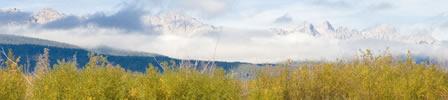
(245, 36)
(209, 6)
(283, 19)
(257, 46)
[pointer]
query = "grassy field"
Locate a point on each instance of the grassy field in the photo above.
(364, 77)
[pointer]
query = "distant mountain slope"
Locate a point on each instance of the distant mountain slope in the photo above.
(29, 48)
(117, 52)
(19, 40)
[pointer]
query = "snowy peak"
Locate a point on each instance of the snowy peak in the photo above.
(305, 28)
(43, 16)
(325, 27)
(309, 28)
(383, 29)
(46, 15)
(380, 32)
(421, 39)
(179, 24)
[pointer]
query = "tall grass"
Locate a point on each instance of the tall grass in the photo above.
(100, 80)
(365, 77)
(368, 77)
(12, 80)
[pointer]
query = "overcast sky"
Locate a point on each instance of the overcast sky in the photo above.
(256, 13)
(245, 35)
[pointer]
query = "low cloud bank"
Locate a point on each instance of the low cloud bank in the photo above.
(241, 45)
(126, 29)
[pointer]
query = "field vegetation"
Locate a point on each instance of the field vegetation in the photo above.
(367, 76)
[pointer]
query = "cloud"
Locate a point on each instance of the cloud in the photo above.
(283, 19)
(128, 18)
(257, 46)
(66, 22)
(444, 24)
(381, 6)
(205, 8)
(209, 6)
(377, 7)
(245, 35)
(332, 3)
(14, 16)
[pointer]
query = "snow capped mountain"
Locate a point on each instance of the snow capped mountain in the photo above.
(325, 28)
(309, 28)
(43, 16)
(384, 31)
(305, 28)
(172, 23)
(387, 32)
(380, 32)
(348, 33)
(46, 15)
(178, 24)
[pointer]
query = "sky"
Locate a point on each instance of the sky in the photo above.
(354, 13)
(244, 26)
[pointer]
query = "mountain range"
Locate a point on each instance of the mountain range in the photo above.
(29, 48)
(176, 23)
(163, 23)
(179, 24)
(380, 32)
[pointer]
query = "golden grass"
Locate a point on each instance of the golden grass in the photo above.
(367, 77)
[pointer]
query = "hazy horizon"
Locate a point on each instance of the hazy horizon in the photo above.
(255, 31)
